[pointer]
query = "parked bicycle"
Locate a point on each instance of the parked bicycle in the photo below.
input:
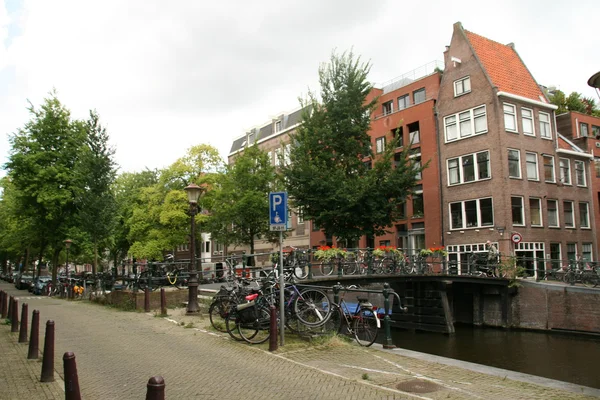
(359, 320)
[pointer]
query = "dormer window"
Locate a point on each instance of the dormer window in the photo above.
(251, 139)
(462, 86)
(277, 126)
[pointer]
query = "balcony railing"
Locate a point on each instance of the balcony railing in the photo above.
(410, 77)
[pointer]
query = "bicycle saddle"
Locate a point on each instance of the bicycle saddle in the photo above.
(251, 297)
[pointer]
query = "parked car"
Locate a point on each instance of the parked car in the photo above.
(40, 284)
(22, 281)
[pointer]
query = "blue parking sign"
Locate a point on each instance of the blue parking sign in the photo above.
(278, 211)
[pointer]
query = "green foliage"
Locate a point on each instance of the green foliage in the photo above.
(239, 204)
(159, 218)
(330, 174)
(509, 269)
(573, 102)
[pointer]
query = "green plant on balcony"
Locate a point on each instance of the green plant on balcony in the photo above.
(383, 251)
(328, 253)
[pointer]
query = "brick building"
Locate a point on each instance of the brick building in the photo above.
(500, 161)
(506, 169)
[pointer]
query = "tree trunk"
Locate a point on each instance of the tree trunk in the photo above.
(55, 265)
(95, 264)
(251, 258)
(26, 263)
(39, 266)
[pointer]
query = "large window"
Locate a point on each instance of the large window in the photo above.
(471, 214)
(549, 168)
(286, 154)
(510, 117)
(403, 102)
(555, 256)
(419, 95)
(527, 121)
(565, 171)
(535, 211)
(584, 215)
(596, 131)
(415, 137)
(568, 212)
(571, 251)
(418, 205)
(462, 86)
(532, 167)
(545, 125)
(553, 221)
(518, 215)
(469, 168)
(388, 107)
(278, 156)
(580, 173)
(514, 163)
(380, 144)
(465, 124)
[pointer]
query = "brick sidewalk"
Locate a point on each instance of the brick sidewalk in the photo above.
(20, 377)
(117, 352)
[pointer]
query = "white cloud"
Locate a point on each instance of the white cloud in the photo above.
(165, 77)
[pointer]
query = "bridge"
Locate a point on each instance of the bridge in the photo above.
(436, 302)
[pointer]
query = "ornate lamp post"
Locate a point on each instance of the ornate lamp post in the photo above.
(68, 243)
(193, 192)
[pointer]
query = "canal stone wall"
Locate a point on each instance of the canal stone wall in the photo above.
(556, 307)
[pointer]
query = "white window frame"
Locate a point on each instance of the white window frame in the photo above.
(518, 163)
(584, 207)
(545, 133)
(522, 208)
(287, 149)
(277, 126)
(418, 91)
(278, 156)
(537, 169)
(586, 248)
(555, 213)
(553, 179)
(569, 222)
(300, 215)
(583, 179)
(529, 119)
(407, 102)
(462, 86)
(384, 107)
(565, 171)
(581, 130)
(511, 114)
(539, 212)
(454, 120)
(461, 171)
(379, 145)
(464, 216)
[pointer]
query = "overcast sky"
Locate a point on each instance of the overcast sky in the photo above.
(168, 75)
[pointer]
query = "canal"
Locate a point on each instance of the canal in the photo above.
(560, 356)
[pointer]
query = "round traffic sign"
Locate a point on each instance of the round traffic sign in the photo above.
(516, 237)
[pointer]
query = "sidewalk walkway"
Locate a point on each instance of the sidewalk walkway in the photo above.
(117, 352)
(20, 377)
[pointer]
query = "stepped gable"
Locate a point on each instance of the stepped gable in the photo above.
(505, 68)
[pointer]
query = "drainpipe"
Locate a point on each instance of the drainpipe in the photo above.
(439, 146)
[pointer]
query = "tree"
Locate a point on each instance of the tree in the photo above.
(96, 173)
(43, 156)
(330, 175)
(573, 102)
(159, 222)
(239, 203)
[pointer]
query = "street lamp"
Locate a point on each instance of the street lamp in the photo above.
(193, 193)
(68, 243)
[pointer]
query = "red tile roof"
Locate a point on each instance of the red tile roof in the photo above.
(504, 67)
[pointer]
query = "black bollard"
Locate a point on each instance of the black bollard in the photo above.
(4, 308)
(34, 337)
(23, 327)
(163, 302)
(155, 389)
(147, 300)
(71, 380)
(15, 316)
(48, 359)
(273, 329)
(1, 300)
(9, 315)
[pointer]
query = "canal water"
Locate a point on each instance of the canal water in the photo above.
(560, 356)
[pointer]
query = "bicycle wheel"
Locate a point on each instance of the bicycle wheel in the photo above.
(326, 267)
(231, 325)
(301, 268)
(569, 277)
(217, 313)
(256, 331)
(312, 307)
(587, 280)
(365, 327)
(349, 267)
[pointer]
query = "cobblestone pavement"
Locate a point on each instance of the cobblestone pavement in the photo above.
(117, 352)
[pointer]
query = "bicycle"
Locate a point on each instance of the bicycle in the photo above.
(294, 259)
(359, 320)
(587, 275)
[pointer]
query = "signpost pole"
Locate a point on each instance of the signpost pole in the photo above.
(281, 292)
